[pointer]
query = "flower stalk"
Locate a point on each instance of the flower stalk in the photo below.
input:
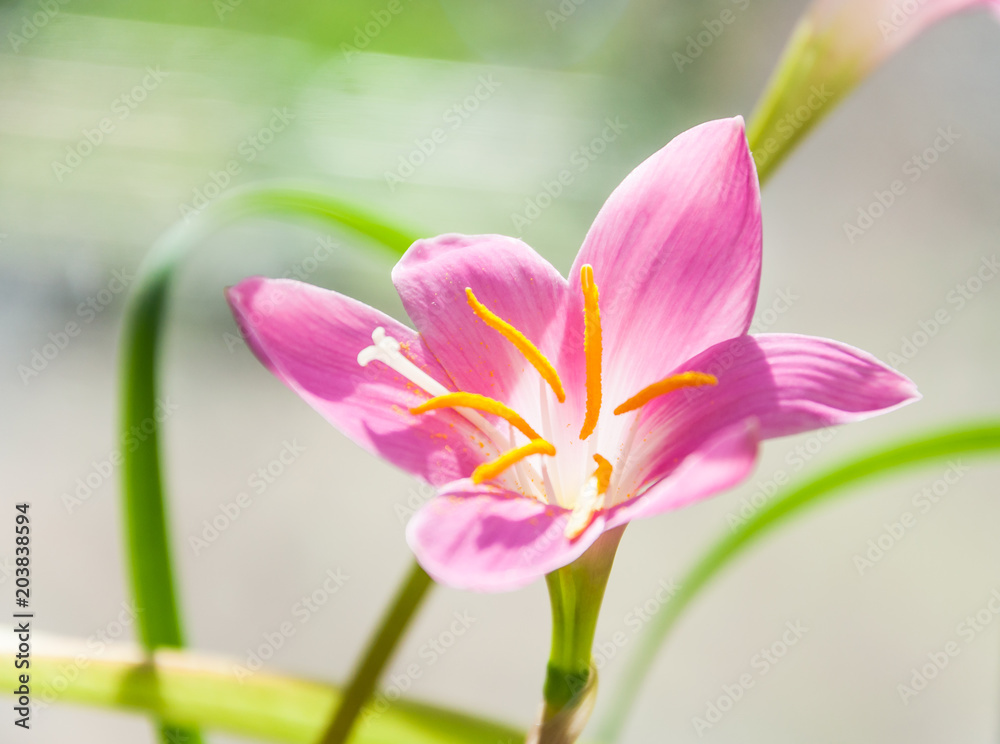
(380, 649)
(576, 592)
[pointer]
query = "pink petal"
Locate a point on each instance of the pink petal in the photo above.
(310, 339)
(510, 279)
(676, 252)
(721, 463)
(490, 540)
(789, 383)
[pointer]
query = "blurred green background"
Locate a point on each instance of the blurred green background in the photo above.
(181, 101)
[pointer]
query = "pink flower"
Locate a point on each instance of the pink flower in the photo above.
(548, 411)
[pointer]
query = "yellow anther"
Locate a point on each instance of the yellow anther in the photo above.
(521, 343)
(592, 348)
(479, 403)
(591, 500)
(489, 470)
(603, 474)
(668, 385)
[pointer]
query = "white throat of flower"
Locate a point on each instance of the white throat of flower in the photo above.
(513, 464)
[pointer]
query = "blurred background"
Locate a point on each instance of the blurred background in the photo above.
(117, 118)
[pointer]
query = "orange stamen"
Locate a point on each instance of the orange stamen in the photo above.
(668, 385)
(592, 348)
(521, 343)
(478, 403)
(489, 470)
(591, 500)
(603, 474)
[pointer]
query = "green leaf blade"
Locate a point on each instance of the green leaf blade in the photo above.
(971, 440)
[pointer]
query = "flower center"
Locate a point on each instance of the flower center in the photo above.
(512, 462)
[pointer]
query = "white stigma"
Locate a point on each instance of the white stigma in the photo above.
(387, 350)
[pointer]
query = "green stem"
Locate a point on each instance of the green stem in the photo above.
(979, 439)
(380, 648)
(146, 519)
(569, 659)
(194, 691)
(576, 592)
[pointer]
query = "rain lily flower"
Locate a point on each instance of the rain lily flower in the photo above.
(548, 411)
(836, 45)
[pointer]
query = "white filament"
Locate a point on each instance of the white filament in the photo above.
(386, 349)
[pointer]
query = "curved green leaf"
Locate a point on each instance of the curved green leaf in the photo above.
(148, 543)
(977, 439)
(189, 690)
